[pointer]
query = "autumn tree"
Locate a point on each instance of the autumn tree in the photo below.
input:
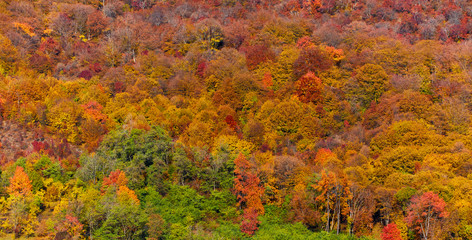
(391, 232)
(116, 179)
(248, 192)
(385, 200)
(91, 213)
(71, 227)
(312, 59)
(285, 117)
(247, 185)
(249, 225)
(124, 218)
(309, 88)
(210, 34)
(425, 214)
(257, 54)
(334, 193)
(20, 184)
(301, 207)
(361, 209)
(370, 83)
(93, 126)
(21, 211)
(8, 55)
(51, 48)
(96, 23)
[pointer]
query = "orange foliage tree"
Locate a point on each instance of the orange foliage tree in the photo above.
(20, 184)
(127, 195)
(248, 191)
(309, 88)
(20, 216)
(116, 179)
(334, 193)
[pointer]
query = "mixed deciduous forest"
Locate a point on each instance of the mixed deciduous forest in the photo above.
(236, 119)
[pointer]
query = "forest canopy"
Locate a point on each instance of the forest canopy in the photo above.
(235, 119)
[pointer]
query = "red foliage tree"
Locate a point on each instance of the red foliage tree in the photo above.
(41, 147)
(116, 177)
(86, 74)
(96, 23)
(96, 67)
(391, 232)
(236, 32)
(50, 47)
(458, 32)
(250, 222)
(425, 212)
(312, 59)
(201, 69)
(233, 124)
(62, 149)
(70, 226)
(257, 54)
(40, 63)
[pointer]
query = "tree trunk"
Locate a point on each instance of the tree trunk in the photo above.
(338, 205)
(327, 211)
